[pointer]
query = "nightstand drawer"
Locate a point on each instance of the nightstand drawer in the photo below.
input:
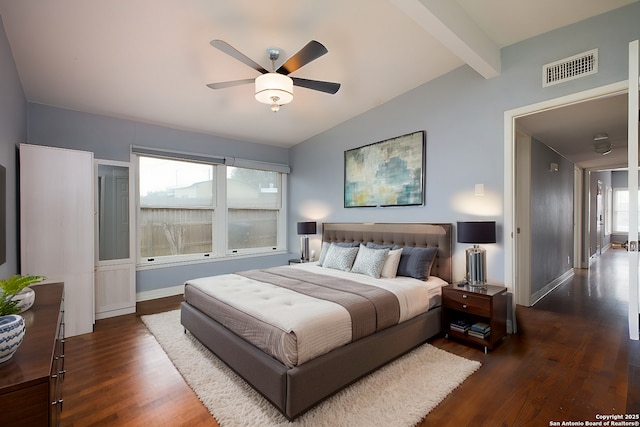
(467, 302)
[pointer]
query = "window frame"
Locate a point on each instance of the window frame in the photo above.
(220, 250)
(280, 220)
(615, 229)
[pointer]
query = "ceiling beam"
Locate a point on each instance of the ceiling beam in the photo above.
(447, 22)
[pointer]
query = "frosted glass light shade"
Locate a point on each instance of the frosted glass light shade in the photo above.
(272, 85)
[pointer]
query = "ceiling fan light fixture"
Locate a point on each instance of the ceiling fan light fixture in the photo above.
(274, 89)
(602, 147)
(601, 143)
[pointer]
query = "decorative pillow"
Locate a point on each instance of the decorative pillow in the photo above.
(379, 246)
(416, 262)
(339, 257)
(323, 252)
(390, 269)
(325, 248)
(370, 261)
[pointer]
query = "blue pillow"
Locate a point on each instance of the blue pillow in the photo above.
(416, 262)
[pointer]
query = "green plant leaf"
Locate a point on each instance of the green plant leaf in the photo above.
(12, 286)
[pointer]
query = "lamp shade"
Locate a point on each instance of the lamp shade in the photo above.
(477, 232)
(308, 227)
(274, 88)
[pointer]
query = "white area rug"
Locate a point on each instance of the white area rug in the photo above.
(400, 394)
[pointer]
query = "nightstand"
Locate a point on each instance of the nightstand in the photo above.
(463, 307)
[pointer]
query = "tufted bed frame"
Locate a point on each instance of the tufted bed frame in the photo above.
(295, 390)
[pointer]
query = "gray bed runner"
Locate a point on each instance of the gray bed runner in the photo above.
(371, 308)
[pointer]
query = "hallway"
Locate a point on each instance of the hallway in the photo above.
(598, 298)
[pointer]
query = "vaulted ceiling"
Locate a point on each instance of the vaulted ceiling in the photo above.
(150, 60)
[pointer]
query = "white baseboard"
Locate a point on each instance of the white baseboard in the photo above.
(159, 293)
(551, 286)
(114, 313)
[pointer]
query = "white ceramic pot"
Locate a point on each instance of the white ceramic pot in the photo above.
(12, 330)
(25, 298)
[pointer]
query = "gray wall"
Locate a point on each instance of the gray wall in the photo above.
(620, 179)
(463, 115)
(551, 216)
(13, 129)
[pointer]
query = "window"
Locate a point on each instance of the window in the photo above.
(177, 201)
(608, 226)
(190, 210)
(253, 203)
(621, 210)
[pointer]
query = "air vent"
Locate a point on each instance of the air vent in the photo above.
(570, 68)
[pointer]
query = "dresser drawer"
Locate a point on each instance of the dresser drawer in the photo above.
(467, 301)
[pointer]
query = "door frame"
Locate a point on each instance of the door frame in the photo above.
(121, 299)
(632, 123)
(512, 279)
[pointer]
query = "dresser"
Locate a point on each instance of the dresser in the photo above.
(31, 381)
(475, 306)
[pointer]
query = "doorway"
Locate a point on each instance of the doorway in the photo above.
(520, 282)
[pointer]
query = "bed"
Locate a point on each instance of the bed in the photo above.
(297, 384)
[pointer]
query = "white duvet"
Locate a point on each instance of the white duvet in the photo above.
(319, 326)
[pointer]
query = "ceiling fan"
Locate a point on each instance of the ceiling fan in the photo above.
(276, 87)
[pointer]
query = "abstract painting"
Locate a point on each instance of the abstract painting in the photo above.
(386, 173)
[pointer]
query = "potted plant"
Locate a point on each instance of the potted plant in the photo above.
(12, 302)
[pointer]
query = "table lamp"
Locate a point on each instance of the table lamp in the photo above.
(476, 232)
(304, 229)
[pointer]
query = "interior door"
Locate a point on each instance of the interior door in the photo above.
(633, 110)
(115, 264)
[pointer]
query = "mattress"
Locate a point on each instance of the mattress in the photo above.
(293, 327)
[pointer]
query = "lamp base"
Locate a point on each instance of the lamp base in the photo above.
(476, 267)
(304, 248)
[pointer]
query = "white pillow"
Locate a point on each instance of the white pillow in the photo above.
(390, 268)
(340, 258)
(370, 261)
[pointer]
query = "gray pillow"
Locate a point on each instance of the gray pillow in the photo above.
(323, 252)
(325, 248)
(370, 261)
(416, 262)
(339, 257)
(379, 246)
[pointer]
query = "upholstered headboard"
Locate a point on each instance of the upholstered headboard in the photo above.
(401, 234)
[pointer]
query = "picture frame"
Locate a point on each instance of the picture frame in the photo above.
(386, 173)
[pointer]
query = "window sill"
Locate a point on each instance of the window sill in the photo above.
(168, 264)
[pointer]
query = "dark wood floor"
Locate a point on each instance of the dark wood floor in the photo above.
(571, 360)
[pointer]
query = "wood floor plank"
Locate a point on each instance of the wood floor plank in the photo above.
(570, 360)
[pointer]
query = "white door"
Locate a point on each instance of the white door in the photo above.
(634, 301)
(56, 226)
(115, 265)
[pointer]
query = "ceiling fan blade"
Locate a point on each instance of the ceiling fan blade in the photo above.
(312, 51)
(232, 51)
(232, 83)
(327, 87)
